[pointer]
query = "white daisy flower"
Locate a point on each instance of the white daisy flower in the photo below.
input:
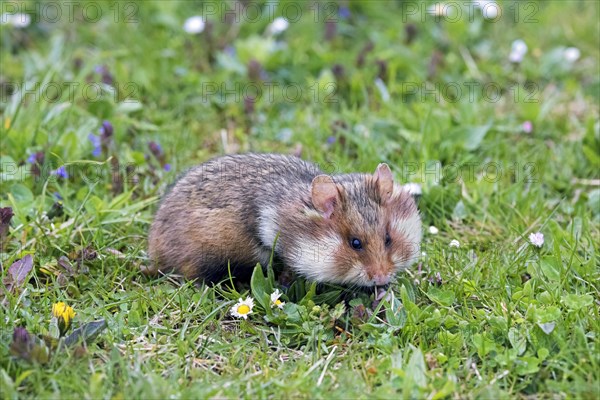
(537, 239)
(18, 20)
(489, 9)
(454, 243)
(518, 50)
(278, 25)
(572, 54)
(413, 188)
(242, 308)
(194, 25)
(275, 302)
(433, 230)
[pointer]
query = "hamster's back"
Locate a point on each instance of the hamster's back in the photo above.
(211, 213)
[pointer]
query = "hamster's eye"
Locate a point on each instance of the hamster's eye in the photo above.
(356, 244)
(388, 239)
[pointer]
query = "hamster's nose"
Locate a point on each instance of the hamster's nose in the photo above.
(381, 279)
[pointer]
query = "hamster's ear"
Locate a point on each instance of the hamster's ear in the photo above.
(385, 180)
(324, 194)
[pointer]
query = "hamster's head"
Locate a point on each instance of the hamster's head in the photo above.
(370, 225)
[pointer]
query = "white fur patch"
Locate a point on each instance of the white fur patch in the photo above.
(398, 260)
(267, 225)
(314, 259)
(264, 255)
(356, 274)
(410, 228)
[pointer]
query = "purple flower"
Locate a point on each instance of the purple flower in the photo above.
(105, 74)
(255, 70)
(6, 213)
(106, 130)
(21, 336)
(23, 346)
(230, 51)
(156, 149)
(330, 29)
(102, 141)
(344, 12)
(36, 158)
(527, 127)
(338, 71)
(331, 140)
(96, 142)
(158, 153)
(249, 105)
(436, 280)
(95, 139)
(61, 172)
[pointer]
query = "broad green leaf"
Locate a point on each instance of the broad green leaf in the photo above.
(551, 268)
(415, 370)
(527, 365)
(470, 137)
(442, 297)
(310, 293)
(395, 314)
(577, 301)
(408, 289)
(372, 328)
(483, 344)
(21, 194)
(548, 314)
(260, 290)
(517, 340)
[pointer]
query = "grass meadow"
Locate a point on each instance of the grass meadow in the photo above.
(490, 109)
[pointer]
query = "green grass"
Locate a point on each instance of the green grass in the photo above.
(493, 318)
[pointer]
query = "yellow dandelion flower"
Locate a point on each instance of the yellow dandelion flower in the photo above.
(242, 308)
(275, 302)
(64, 315)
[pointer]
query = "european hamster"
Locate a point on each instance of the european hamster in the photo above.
(354, 229)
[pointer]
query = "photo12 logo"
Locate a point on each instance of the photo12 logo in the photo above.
(490, 172)
(54, 92)
(291, 92)
(469, 91)
(468, 11)
(255, 11)
(49, 172)
(21, 14)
